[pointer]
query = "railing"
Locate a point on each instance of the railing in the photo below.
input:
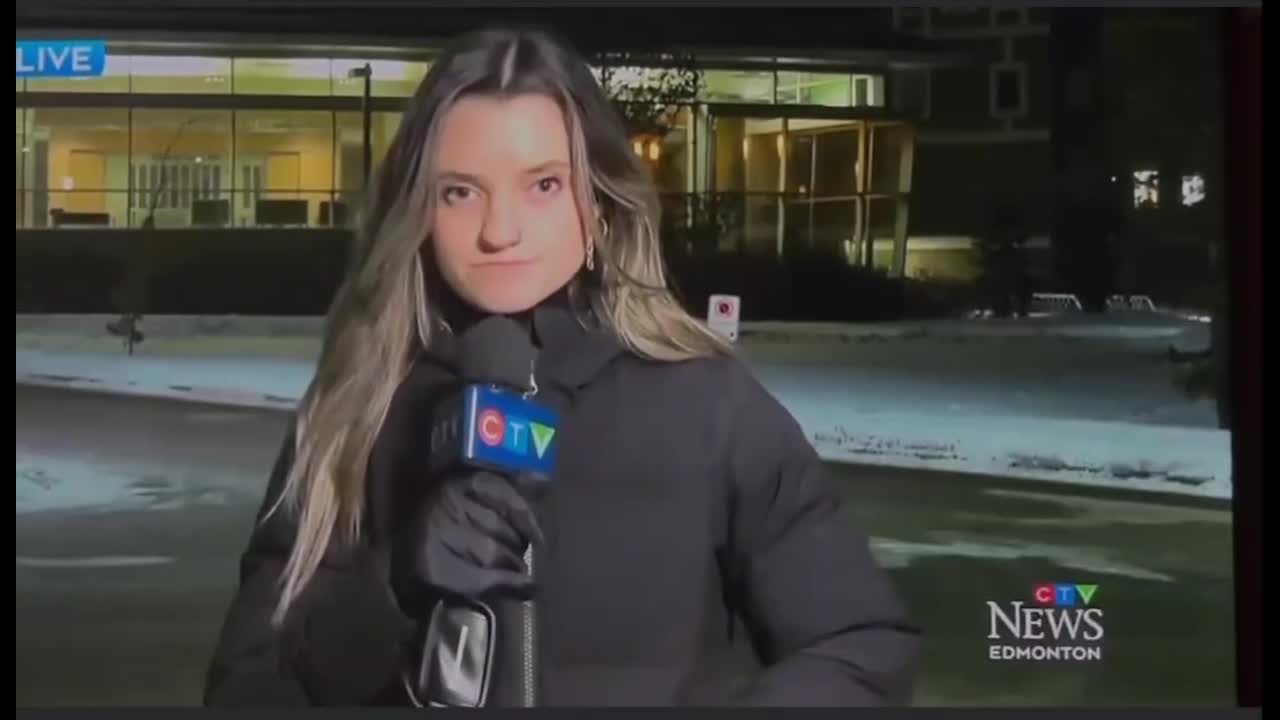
(755, 223)
(185, 207)
(775, 223)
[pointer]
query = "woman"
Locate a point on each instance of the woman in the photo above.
(684, 495)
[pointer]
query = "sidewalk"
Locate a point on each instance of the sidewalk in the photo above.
(1033, 368)
(1058, 410)
(269, 383)
(1140, 327)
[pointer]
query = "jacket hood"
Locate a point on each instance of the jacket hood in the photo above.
(573, 347)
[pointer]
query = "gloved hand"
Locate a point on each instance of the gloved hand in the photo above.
(467, 540)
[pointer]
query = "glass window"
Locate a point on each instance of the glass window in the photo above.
(1007, 90)
(185, 75)
(391, 78)
(22, 155)
(180, 169)
(799, 163)
(729, 134)
(1193, 192)
(114, 79)
(868, 91)
(797, 218)
(385, 127)
(806, 88)
(748, 154)
(889, 145)
(670, 155)
(836, 162)
(748, 174)
(737, 86)
(282, 76)
(762, 211)
(1146, 189)
(833, 225)
(882, 228)
(823, 160)
(348, 160)
(20, 126)
(763, 155)
(79, 172)
(283, 166)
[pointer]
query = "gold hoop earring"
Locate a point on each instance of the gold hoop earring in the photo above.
(591, 245)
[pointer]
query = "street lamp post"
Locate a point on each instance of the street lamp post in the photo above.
(366, 112)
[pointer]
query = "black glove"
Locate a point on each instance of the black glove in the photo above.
(468, 540)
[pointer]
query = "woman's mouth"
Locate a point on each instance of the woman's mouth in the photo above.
(503, 263)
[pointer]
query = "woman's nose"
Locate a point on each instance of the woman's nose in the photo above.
(501, 228)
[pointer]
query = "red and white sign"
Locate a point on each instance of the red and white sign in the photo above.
(722, 315)
(492, 427)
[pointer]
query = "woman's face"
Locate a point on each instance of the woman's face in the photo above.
(507, 230)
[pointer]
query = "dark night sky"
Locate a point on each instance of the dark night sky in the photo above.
(630, 27)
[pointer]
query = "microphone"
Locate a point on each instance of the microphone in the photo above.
(494, 423)
(476, 652)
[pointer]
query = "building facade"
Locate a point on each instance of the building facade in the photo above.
(896, 146)
(1163, 101)
(1102, 128)
(985, 129)
(805, 152)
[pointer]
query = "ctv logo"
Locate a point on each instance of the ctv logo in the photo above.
(513, 433)
(1062, 622)
(1060, 595)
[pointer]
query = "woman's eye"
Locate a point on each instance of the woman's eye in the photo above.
(548, 184)
(456, 193)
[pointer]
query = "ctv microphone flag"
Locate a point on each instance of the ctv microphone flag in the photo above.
(498, 430)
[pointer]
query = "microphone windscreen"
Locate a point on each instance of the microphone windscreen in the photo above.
(497, 351)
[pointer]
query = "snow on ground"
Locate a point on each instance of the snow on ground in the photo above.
(50, 483)
(1061, 402)
(47, 482)
(257, 382)
(1190, 461)
(1137, 327)
(899, 553)
(1027, 378)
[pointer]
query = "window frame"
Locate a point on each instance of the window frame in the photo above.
(1019, 68)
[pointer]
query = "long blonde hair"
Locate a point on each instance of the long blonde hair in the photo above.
(382, 315)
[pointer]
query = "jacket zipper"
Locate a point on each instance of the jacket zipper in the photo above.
(528, 626)
(529, 629)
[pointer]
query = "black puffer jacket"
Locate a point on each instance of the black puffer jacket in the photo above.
(684, 496)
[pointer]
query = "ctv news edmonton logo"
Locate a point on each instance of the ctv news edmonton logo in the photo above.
(1061, 622)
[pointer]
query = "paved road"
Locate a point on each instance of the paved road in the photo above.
(130, 514)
